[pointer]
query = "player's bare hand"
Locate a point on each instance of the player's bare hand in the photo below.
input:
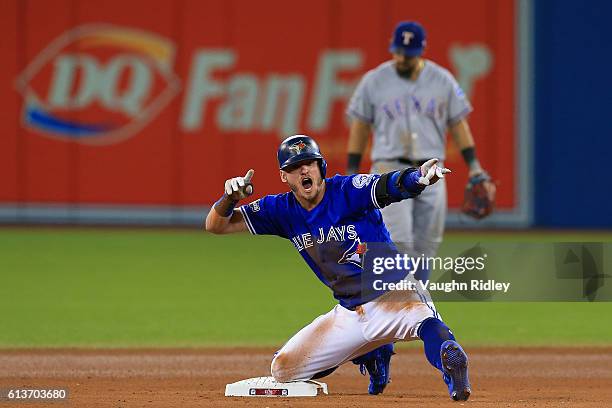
(238, 188)
(431, 172)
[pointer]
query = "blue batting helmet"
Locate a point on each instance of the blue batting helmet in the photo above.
(299, 148)
(408, 39)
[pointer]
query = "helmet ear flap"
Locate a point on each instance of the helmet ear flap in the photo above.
(323, 167)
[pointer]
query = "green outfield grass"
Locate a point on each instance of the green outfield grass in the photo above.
(177, 288)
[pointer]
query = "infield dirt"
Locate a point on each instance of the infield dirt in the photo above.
(501, 377)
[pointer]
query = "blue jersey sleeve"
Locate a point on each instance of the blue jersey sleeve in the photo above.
(359, 191)
(262, 216)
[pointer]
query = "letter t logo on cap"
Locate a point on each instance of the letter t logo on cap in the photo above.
(408, 35)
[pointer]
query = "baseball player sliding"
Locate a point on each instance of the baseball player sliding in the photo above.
(408, 103)
(331, 221)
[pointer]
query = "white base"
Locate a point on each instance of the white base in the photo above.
(268, 387)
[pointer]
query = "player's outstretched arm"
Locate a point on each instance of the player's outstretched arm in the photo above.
(408, 183)
(224, 218)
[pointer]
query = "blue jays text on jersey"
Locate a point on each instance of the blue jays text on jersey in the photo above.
(334, 233)
(332, 237)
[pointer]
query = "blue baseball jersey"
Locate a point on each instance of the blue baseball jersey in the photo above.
(332, 237)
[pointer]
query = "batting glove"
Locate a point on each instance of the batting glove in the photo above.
(431, 172)
(238, 188)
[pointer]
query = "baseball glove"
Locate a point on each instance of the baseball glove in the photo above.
(479, 198)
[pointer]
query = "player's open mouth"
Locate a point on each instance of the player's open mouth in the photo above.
(307, 183)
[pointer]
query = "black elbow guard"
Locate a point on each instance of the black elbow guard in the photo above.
(382, 192)
(391, 191)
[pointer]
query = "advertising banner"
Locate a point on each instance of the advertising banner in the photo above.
(158, 102)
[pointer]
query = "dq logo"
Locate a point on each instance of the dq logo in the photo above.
(98, 84)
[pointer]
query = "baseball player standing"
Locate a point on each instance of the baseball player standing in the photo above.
(332, 222)
(408, 103)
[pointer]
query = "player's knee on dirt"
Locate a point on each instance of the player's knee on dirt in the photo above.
(280, 369)
(283, 370)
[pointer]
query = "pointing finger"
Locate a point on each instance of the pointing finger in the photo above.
(249, 176)
(441, 171)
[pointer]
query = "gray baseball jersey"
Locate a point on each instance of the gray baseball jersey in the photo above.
(409, 118)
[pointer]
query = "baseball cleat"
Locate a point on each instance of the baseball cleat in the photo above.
(455, 370)
(377, 363)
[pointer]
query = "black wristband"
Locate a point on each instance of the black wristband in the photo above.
(354, 159)
(469, 154)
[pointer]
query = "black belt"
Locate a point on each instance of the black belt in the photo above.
(408, 162)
